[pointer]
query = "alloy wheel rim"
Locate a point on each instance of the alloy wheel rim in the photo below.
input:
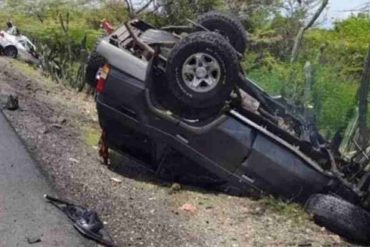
(201, 72)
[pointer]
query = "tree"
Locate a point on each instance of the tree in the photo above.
(136, 7)
(303, 29)
(363, 93)
(178, 11)
(40, 8)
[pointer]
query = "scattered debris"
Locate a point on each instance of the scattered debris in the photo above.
(34, 239)
(117, 180)
(56, 126)
(85, 221)
(73, 160)
(187, 207)
(58, 120)
(12, 103)
(306, 243)
(175, 187)
(258, 211)
(52, 128)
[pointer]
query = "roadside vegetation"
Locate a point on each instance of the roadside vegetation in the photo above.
(329, 62)
(67, 30)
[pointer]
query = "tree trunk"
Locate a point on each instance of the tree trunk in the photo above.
(346, 147)
(144, 7)
(297, 44)
(130, 8)
(363, 92)
(308, 109)
(298, 39)
(308, 83)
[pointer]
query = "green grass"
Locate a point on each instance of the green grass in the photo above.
(91, 136)
(293, 211)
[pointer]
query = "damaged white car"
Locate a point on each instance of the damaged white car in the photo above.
(18, 46)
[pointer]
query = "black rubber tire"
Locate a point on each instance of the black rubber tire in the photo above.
(341, 217)
(11, 51)
(211, 44)
(229, 27)
(95, 62)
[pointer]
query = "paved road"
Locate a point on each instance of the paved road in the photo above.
(23, 211)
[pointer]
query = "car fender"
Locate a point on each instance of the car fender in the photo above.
(22, 52)
(5, 43)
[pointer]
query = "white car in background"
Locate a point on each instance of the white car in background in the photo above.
(18, 46)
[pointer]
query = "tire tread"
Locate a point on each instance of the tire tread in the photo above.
(342, 217)
(241, 42)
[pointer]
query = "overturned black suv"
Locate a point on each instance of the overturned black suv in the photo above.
(176, 99)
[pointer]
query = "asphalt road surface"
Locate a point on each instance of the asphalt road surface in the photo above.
(24, 214)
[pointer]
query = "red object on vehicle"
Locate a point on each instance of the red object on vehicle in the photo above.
(107, 26)
(104, 149)
(101, 77)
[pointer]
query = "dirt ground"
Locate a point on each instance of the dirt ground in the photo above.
(61, 130)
